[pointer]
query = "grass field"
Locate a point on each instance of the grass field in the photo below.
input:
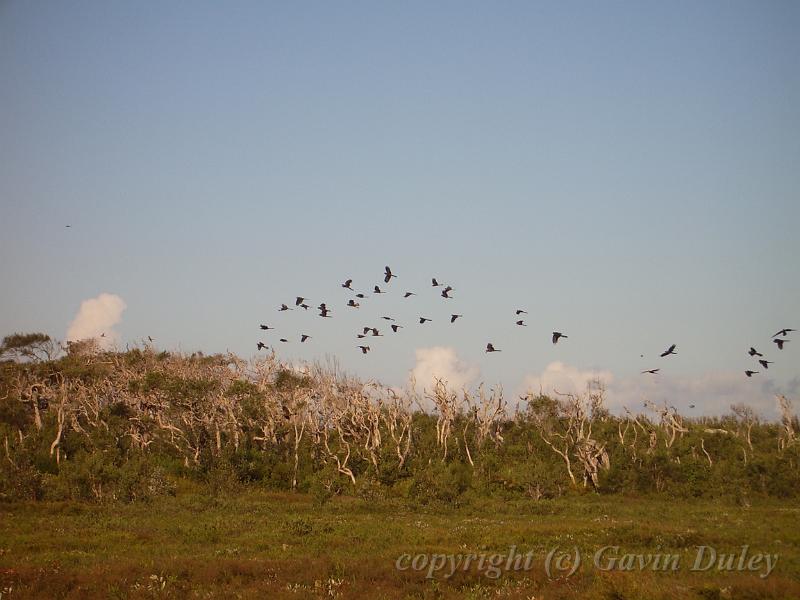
(267, 545)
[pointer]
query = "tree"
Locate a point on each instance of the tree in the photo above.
(34, 347)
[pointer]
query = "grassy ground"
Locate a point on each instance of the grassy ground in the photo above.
(266, 545)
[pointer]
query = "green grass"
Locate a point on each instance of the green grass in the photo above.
(268, 545)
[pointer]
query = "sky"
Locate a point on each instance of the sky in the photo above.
(627, 172)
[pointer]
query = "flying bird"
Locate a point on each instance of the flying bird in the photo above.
(283, 307)
(491, 348)
(360, 295)
(376, 333)
(780, 343)
(347, 284)
(521, 312)
(261, 346)
(408, 294)
(423, 319)
(446, 291)
(454, 317)
(766, 363)
(266, 327)
(388, 275)
(557, 335)
(387, 318)
(668, 351)
(750, 373)
(323, 306)
(304, 337)
(298, 301)
(651, 371)
(353, 303)
(377, 290)
(364, 349)
(324, 312)
(366, 330)
(284, 340)
(435, 283)
(783, 332)
(754, 352)
(521, 323)
(396, 327)
(151, 339)
(305, 306)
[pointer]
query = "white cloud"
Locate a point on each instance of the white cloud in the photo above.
(442, 363)
(566, 379)
(98, 316)
(711, 393)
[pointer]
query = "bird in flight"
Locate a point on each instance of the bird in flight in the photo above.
(67, 225)
(261, 346)
(304, 337)
(377, 290)
(298, 301)
(557, 335)
(691, 406)
(423, 319)
(151, 339)
(284, 340)
(783, 332)
(780, 343)
(376, 333)
(435, 283)
(521, 312)
(651, 371)
(388, 275)
(668, 351)
(408, 294)
(454, 317)
(283, 307)
(521, 323)
(353, 303)
(766, 363)
(360, 296)
(387, 318)
(364, 349)
(491, 348)
(324, 312)
(305, 306)
(396, 327)
(347, 284)
(754, 352)
(750, 373)
(446, 291)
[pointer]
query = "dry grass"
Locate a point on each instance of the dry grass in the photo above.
(260, 545)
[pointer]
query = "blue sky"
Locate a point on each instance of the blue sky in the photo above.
(627, 172)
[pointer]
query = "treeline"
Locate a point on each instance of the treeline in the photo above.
(81, 423)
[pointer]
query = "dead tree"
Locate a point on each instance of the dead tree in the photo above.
(787, 435)
(746, 419)
(567, 430)
(448, 407)
(397, 418)
(671, 422)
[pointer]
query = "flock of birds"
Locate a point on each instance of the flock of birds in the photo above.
(446, 291)
(325, 312)
(779, 340)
